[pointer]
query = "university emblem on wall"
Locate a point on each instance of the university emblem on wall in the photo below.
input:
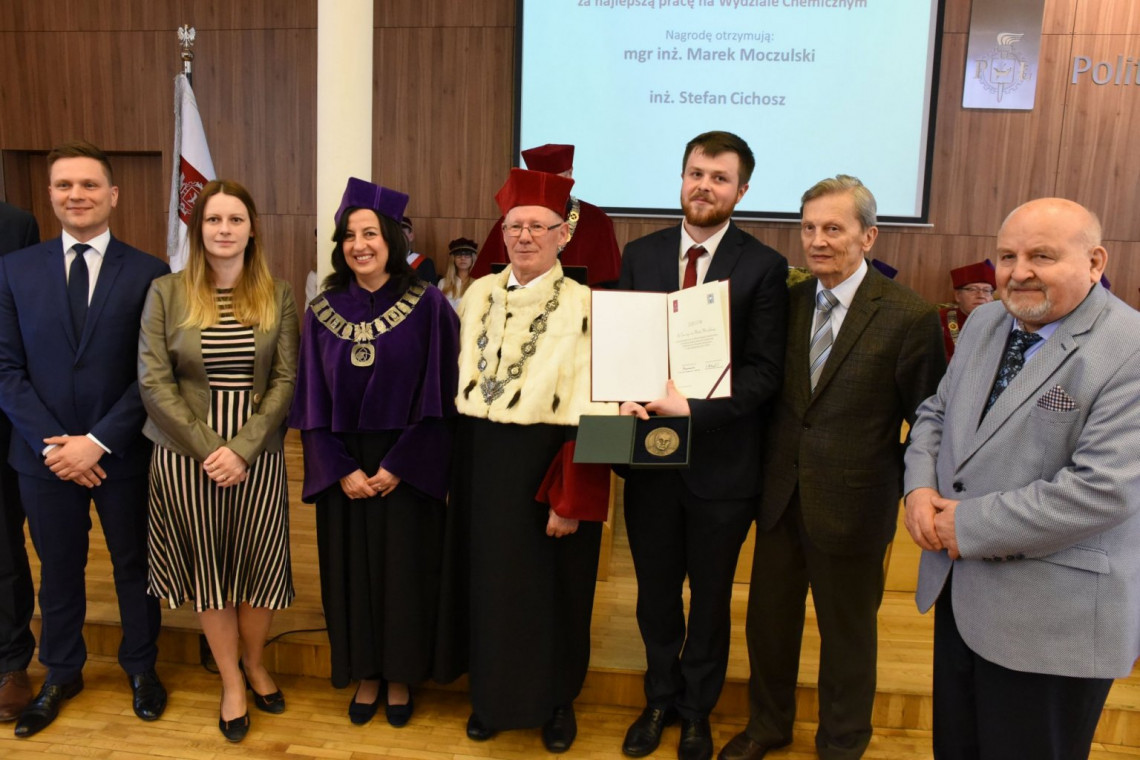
(1003, 69)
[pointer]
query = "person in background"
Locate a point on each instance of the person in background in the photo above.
(217, 363)
(69, 321)
(534, 517)
(376, 385)
(973, 286)
(461, 257)
(18, 229)
(590, 240)
(423, 265)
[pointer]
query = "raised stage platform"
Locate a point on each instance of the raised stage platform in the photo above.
(905, 637)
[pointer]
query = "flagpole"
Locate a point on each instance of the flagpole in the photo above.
(186, 34)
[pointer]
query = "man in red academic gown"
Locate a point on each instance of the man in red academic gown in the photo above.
(592, 243)
(973, 286)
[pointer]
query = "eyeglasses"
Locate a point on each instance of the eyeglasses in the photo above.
(536, 230)
(466, 253)
(978, 290)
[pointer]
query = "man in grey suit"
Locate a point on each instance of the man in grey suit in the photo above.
(862, 354)
(1023, 488)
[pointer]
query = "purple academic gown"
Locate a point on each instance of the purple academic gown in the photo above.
(385, 567)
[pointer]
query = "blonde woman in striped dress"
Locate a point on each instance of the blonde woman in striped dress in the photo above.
(217, 362)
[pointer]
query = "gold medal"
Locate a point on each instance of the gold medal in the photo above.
(662, 441)
(363, 354)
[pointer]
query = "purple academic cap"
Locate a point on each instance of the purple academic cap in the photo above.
(359, 193)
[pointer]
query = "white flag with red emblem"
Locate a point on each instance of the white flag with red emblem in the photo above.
(193, 168)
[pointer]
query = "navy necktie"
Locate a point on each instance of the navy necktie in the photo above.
(78, 286)
(1020, 341)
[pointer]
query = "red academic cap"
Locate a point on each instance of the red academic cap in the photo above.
(550, 158)
(980, 272)
(359, 193)
(534, 188)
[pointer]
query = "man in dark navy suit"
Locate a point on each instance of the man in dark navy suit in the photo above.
(18, 229)
(691, 523)
(69, 323)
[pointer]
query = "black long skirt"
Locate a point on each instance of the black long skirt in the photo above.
(382, 563)
(531, 595)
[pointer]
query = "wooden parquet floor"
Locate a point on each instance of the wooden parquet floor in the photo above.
(103, 725)
(98, 723)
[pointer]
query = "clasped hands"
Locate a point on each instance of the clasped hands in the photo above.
(357, 484)
(930, 521)
(75, 458)
(672, 404)
(225, 467)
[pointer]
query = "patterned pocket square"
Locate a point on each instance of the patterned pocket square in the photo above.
(1057, 400)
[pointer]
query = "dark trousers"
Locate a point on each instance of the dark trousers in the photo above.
(983, 711)
(59, 519)
(673, 533)
(16, 593)
(846, 591)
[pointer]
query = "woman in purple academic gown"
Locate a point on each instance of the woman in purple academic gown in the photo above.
(376, 385)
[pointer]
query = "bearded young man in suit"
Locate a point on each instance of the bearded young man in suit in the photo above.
(863, 352)
(692, 522)
(1023, 489)
(70, 311)
(18, 229)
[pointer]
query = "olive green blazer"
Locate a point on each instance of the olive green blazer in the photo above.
(176, 391)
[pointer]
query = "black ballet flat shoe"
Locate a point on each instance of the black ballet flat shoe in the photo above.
(362, 712)
(477, 731)
(271, 703)
(399, 715)
(236, 729)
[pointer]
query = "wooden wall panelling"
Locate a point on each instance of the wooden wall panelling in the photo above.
(256, 92)
(438, 13)
(1059, 16)
(291, 249)
(1099, 159)
(102, 86)
(956, 17)
(442, 110)
(988, 162)
(89, 15)
(207, 15)
(1107, 17)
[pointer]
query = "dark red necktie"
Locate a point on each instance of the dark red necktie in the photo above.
(692, 255)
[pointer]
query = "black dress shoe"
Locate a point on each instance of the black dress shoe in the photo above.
(477, 731)
(149, 695)
(361, 712)
(744, 747)
(645, 733)
(42, 710)
(236, 729)
(399, 715)
(270, 703)
(696, 740)
(558, 733)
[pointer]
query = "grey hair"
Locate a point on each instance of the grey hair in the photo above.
(865, 206)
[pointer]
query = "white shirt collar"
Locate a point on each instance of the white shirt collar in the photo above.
(710, 245)
(844, 292)
(98, 243)
(513, 282)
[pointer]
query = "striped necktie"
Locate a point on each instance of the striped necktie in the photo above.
(821, 336)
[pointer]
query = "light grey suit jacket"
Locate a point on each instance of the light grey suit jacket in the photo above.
(1048, 526)
(176, 391)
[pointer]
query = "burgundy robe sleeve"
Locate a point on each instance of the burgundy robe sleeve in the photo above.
(576, 491)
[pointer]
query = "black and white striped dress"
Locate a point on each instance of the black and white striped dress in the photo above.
(217, 545)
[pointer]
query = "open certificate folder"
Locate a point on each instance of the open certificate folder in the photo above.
(640, 340)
